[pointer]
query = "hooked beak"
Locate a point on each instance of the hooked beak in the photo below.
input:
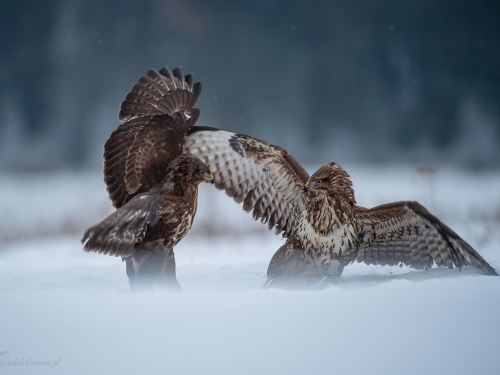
(306, 187)
(210, 179)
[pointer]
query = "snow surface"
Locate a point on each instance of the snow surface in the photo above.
(60, 304)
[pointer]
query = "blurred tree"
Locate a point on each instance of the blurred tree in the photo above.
(361, 80)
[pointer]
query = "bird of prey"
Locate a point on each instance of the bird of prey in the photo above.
(151, 182)
(324, 227)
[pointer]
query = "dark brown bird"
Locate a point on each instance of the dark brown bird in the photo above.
(153, 185)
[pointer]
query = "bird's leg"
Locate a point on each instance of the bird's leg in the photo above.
(150, 266)
(166, 277)
(137, 281)
(332, 270)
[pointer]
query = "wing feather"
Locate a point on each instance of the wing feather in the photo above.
(158, 112)
(405, 232)
(264, 177)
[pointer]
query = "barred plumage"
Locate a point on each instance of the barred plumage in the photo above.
(325, 229)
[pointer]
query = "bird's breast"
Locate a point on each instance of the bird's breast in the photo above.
(178, 223)
(323, 234)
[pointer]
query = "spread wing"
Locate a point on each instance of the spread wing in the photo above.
(264, 177)
(118, 233)
(158, 112)
(405, 232)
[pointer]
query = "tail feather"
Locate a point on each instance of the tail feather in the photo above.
(118, 233)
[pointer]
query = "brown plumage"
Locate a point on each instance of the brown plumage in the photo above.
(332, 232)
(153, 185)
(324, 227)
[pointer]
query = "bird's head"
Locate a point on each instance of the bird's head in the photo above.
(190, 169)
(331, 180)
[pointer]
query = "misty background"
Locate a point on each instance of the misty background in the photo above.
(347, 81)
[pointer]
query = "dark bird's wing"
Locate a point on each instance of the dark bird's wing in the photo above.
(158, 112)
(405, 232)
(159, 93)
(264, 177)
(119, 232)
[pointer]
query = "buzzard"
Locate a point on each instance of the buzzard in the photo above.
(325, 228)
(152, 184)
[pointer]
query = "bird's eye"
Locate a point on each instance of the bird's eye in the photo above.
(203, 172)
(317, 182)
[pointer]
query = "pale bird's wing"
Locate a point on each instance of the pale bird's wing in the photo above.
(264, 177)
(405, 232)
(158, 112)
(118, 233)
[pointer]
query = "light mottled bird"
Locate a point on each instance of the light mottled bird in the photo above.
(325, 228)
(153, 185)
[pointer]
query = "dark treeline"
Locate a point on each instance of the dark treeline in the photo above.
(364, 81)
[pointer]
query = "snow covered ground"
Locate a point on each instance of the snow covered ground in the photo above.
(69, 312)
